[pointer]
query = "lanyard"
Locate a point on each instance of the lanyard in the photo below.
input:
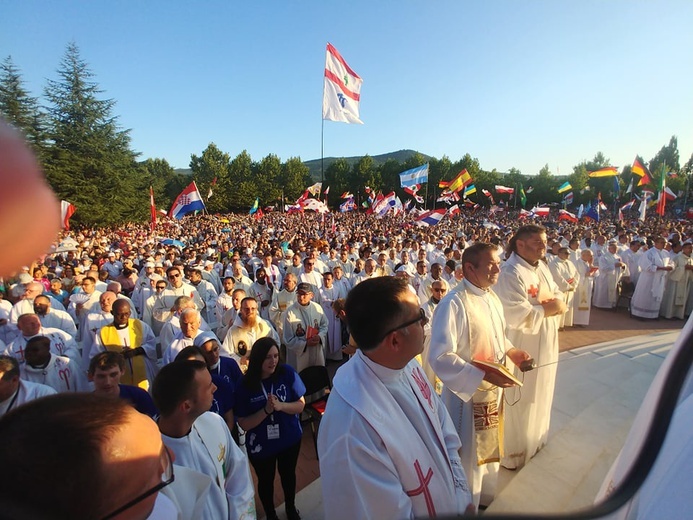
(262, 385)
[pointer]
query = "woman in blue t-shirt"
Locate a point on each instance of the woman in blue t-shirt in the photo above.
(269, 400)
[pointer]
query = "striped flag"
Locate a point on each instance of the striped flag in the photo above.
(469, 190)
(342, 90)
(504, 190)
(67, 209)
(564, 187)
(609, 171)
(413, 191)
(461, 180)
(417, 175)
(454, 210)
(566, 215)
(431, 218)
(568, 199)
(346, 195)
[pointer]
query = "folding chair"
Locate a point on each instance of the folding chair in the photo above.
(318, 386)
(625, 292)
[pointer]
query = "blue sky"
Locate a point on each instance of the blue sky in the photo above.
(513, 83)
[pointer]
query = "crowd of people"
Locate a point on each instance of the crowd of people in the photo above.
(451, 334)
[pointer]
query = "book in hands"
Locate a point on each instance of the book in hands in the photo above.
(498, 369)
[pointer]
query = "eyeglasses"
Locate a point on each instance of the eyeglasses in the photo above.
(173, 276)
(420, 318)
(167, 477)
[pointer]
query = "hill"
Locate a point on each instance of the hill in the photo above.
(400, 156)
(314, 164)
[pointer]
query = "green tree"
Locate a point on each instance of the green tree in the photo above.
(89, 161)
(267, 180)
(162, 177)
(212, 164)
(364, 174)
(668, 155)
(241, 187)
(295, 178)
(19, 108)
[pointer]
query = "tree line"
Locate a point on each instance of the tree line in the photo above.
(88, 160)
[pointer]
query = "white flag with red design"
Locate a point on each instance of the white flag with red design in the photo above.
(342, 90)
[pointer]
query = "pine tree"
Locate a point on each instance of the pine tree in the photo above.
(89, 162)
(19, 108)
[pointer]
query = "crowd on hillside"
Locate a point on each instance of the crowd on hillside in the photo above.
(217, 288)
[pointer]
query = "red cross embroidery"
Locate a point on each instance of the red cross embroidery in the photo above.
(485, 415)
(533, 291)
(422, 384)
(65, 376)
(21, 353)
(423, 488)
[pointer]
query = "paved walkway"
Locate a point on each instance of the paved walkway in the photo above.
(577, 392)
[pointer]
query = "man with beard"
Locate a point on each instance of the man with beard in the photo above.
(54, 318)
(247, 328)
(532, 306)
(262, 291)
(305, 331)
(282, 300)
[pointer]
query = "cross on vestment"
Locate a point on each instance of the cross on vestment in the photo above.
(423, 488)
(485, 415)
(21, 353)
(422, 384)
(533, 291)
(64, 375)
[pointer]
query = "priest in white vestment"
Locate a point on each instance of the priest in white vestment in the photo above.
(611, 269)
(566, 276)
(532, 304)
(469, 325)
(305, 331)
(387, 445)
(582, 303)
(679, 284)
(654, 267)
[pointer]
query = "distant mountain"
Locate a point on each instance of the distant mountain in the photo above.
(400, 156)
(314, 165)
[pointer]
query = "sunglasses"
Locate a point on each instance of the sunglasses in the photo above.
(420, 318)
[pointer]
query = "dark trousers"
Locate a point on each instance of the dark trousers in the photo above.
(285, 463)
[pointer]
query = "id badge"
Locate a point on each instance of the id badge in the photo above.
(272, 431)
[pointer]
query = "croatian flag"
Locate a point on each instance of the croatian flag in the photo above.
(384, 204)
(431, 218)
(67, 209)
(188, 201)
(415, 176)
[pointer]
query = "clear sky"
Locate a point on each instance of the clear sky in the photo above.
(513, 83)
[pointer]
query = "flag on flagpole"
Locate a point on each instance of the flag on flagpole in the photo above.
(152, 208)
(347, 205)
(213, 183)
(341, 92)
(643, 209)
(564, 187)
(524, 214)
(414, 192)
(504, 190)
(460, 181)
(609, 171)
(454, 210)
(540, 211)
(523, 196)
(469, 190)
(662, 201)
(567, 215)
(568, 199)
(630, 186)
(346, 195)
(315, 189)
(431, 218)
(188, 201)
(384, 204)
(255, 206)
(670, 195)
(417, 175)
(488, 194)
(67, 209)
(639, 169)
(315, 205)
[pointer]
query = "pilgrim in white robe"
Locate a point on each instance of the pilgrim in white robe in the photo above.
(387, 446)
(468, 324)
(300, 324)
(582, 303)
(62, 344)
(58, 374)
(677, 288)
(209, 295)
(521, 288)
(27, 307)
(93, 323)
(333, 348)
(240, 335)
(58, 319)
(209, 449)
(26, 391)
(606, 286)
(632, 261)
(648, 294)
(262, 292)
(281, 300)
(567, 279)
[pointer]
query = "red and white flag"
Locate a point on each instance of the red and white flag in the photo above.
(342, 90)
(152, 209)
(454, 210)
(504, 190)
(67, 209)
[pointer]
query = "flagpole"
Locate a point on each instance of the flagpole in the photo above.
(322, 146)
(426, 201)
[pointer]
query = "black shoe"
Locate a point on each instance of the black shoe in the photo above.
(292, 513)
